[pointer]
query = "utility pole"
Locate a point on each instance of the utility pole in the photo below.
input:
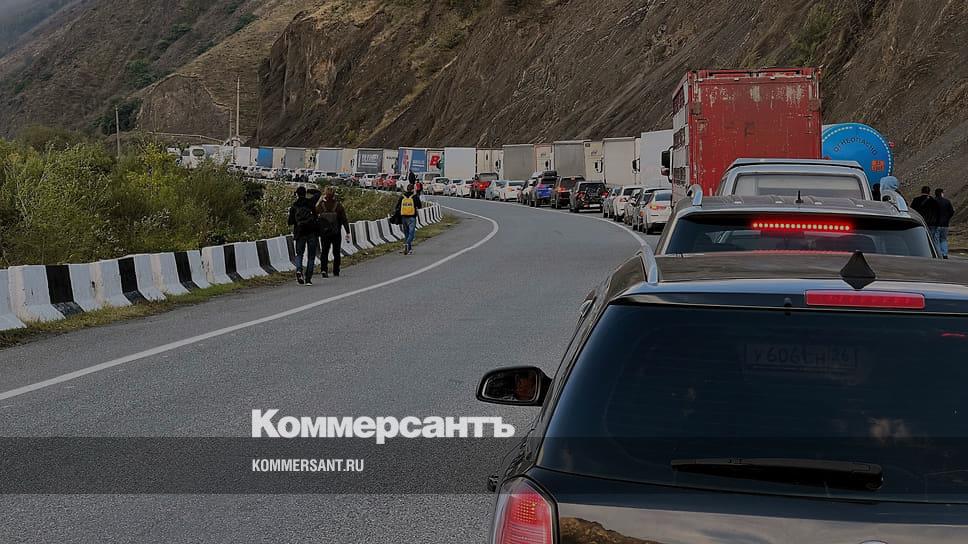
(117, 128)
(238, 104)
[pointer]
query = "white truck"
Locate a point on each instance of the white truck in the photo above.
(593, 160)
(460, 162)
(328, 159)
(569, 158)
(347, 161)
(618, 155)
(390, 157)
(518, 162)
(544, 157)
(648, 161)
(243, 157)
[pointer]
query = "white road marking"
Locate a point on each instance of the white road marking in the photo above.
(248, 324)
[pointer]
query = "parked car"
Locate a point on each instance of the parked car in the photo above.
(715, 438)
(805, 224)
(511, 190)
(654, 213)
(561, 193)
(368, 180)
(494, 189)
(586, 195)
(788, 177)
(632, 204)
(437, 186)
(544, 183)
(392, 182)
(462, 188)
(524, 195)
(622, 196)
(480, 183)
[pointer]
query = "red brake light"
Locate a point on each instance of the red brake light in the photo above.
(866, 299)
(801, 226)
(524, 516)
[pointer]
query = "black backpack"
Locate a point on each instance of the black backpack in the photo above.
(328, 221)
(305, 218)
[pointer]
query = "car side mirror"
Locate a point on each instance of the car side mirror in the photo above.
(518, 386)
(666, 160)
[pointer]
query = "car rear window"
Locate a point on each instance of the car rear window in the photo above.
(516, 184)
(592, 187)
(567, 183)
(881, 388)
(709, 233)
(789, 185)
(629, 191)
(665, 196)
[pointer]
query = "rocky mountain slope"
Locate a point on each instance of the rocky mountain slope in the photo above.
(505, 71)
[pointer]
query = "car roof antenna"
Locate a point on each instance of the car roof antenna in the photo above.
(857, 273)
(799, 199)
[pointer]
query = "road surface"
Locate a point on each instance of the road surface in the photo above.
(502, 288)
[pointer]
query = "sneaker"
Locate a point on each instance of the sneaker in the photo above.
(299, 277)
(336, 273)
(324, 274)
(309, 283)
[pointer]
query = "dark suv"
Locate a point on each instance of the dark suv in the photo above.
(587, 195)
(786, 398)
(561, 192)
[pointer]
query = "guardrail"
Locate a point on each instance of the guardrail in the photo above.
(39, 293)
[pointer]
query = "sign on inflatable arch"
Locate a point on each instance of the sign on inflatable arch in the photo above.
(861, 143)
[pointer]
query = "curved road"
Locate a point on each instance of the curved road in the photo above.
(502, 288)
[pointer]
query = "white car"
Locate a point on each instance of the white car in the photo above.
(493, 190)
(438, 186)
(462, 188)
(510, 190)
(368, 180)
(620, 204)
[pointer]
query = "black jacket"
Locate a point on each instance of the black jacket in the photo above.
(302, 231)
(333, 208)
(945, 211)
(927, 206)
(416, 202)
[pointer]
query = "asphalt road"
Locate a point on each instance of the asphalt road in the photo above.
(417, 346)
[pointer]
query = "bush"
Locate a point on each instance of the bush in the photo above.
(139, 73)
(807, 42)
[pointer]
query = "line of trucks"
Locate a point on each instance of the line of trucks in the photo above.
(718, 116)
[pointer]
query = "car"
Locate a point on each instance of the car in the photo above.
(561, 193)
(358, 178)
(510, 191)
(653, 213)
(494, 189)
(392, 182)
(462, 188)
(622, 196)
(437, 186)
(480, 183)
(586, 195)
(610, 194)
(633, 204)
(524, 195)
(789, 398)
(806, 224)
(788, 177)
(541, 192)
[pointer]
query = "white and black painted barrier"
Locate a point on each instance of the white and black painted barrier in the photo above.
(38, 293)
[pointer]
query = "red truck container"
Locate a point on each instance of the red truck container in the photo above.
(723, 115)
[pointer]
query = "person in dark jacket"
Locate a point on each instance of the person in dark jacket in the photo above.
(305, 233)
(927, 206)
(406, 211)
(332, 224)
(945, 212)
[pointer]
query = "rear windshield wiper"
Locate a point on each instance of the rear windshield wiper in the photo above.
(818, 472)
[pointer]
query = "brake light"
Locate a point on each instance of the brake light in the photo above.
(523, 516)
(801, 226)
(866, 299)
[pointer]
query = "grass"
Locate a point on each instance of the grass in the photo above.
(35, 331)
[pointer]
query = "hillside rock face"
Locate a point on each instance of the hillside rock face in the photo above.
(531, 70)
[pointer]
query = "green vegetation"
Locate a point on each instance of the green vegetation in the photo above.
(76, 203)
(175, 34)
(812, 35)
(127, 115)
(244, 21)
(139, 73)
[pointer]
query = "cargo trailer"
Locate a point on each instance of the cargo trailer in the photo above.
(265, 157)
(460, 162)
(648, 162)
(309, 159)
(278, 158)
(369, 161)
(593, 160)
(390, 157)
(347, 161)
(484, 160)
(295, 158)
(719, 116)
(243, 157)
(329, 159)
(434, 159)
(569, 158)
(617, 157)
(254, 156)
(544, 157)
(518, 162)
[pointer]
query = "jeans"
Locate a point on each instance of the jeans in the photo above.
(410, 229)
(940, 235)
(328, 241)
(301, 244)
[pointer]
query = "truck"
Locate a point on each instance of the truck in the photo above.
(265, 157)
(460, 162)
(569, 158)
(435, 158)
(411, 159)
(593, 160)
(485, 160)
(278, 158)
(369, 161)
(544, 157)
(295, 158)
(618, 155)
(329, 159)
(347, 161)
(861, 143)
(390, 157)
(648, 163)
(243, 157)
(719, 116)
(518, 162)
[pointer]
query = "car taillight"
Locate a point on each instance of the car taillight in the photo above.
(801, 226)
(866, 299)
(523, 516)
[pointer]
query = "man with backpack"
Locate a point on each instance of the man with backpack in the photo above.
(332, 222)
(305, 233)
(406, 213)
(927, 206)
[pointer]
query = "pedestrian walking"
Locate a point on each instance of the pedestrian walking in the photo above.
(411, 178)
(406, 214)
(305, 233)
(945, 212)
(332, 223)
(927, 206)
